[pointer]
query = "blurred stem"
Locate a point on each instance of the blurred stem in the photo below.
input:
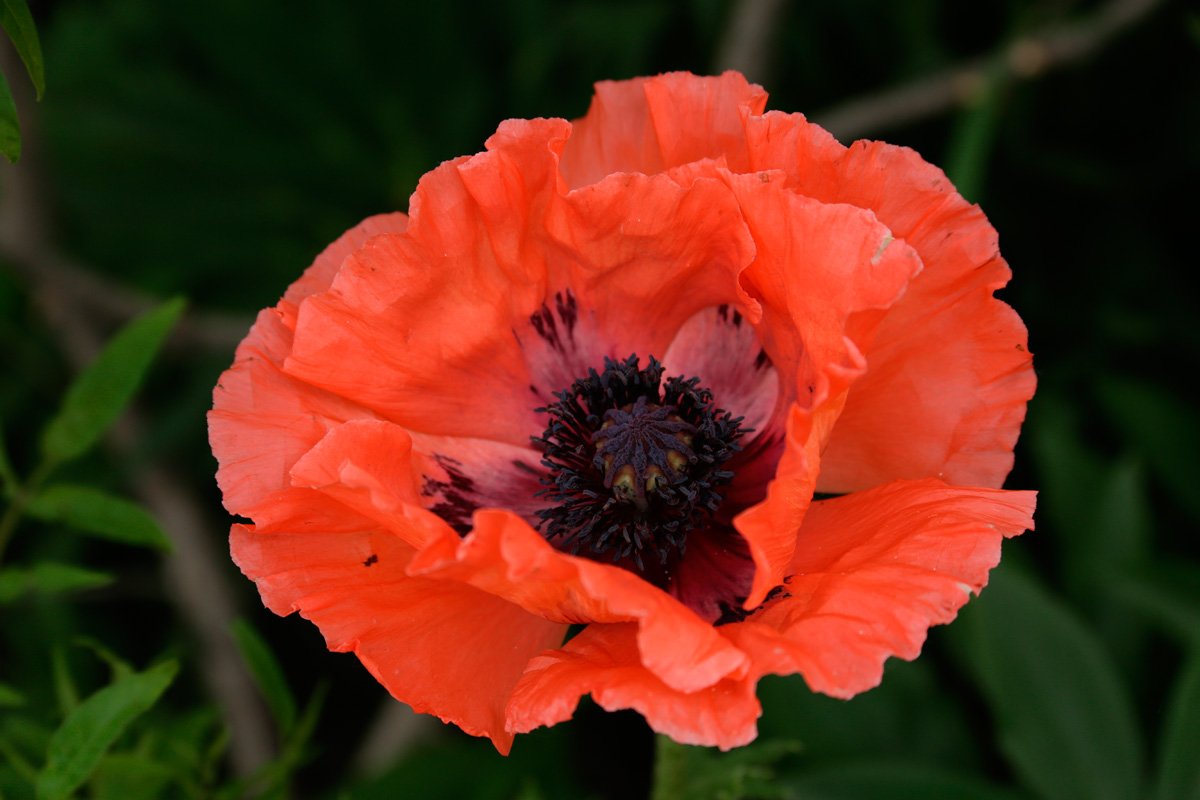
(670, 769)
(12, 514)
(974, 131)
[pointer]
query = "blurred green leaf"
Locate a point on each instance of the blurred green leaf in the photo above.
(121, 668)
(48, 577)
(1064, 720)
(86, 734)
(267, 674)
(1179, 767)
(894, 780)
(1168, 595)
(104, 388)
(99, 513)
(684, 772)
(10, 128)
(1122, 527)
(8, 476)
(1163, 428)
(974, 133)
(909, 715)
(1068, 471)
(64, 683)
(18, 24)
(10, 697)
(127, 776)
(20, 764)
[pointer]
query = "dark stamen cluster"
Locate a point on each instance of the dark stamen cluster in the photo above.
(635, 463)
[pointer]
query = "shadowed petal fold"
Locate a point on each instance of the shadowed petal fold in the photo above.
(872, 571)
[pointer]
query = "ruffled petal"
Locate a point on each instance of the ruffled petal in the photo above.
(367, 465)
(769, 527)
(646, 253)
(419, 327)
(815, 321)
(872, 571)
(603, 661)
(503, 555)
(262, 421)
(421, 639)
(647, 125)
(320, 275)
(949, 371)
(825, 276)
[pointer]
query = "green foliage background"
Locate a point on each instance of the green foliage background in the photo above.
(211, 149)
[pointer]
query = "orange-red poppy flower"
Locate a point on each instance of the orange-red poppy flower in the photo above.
(595, 378)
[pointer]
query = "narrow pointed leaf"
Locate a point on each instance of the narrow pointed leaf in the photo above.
(52, 577)
(128, 776)
(104, 388)
(267, 674)
(86, 734)
(1065, 721)
(65, 692)
(1161, 426)
(8, 476)
(100, 514)
(18, 24)
(1179, 770)
(121, 669)
(10, 128)
(48, 577)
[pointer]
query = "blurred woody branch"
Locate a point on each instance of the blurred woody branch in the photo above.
(1025, 58)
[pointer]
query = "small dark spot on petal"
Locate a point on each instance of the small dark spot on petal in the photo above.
(371, 559)
(521, 465)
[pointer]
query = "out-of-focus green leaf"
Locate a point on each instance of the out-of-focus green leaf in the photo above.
(683, 772)
(10, 128)
(18, 24)
(895, 780)
(121, 668)
(128, 776)
(1168, 595)
(1179, 768)
(99, 513)
(64, 683)
(1068, 472)
(8, 476)
(974, 134)
(907, 716)
(48, 577)
(14, 759)
(104, 388)
(1064, 719)
(1163, 428)
(87, 733)
(51, 577)
(1120, 535)
(267, 674)
(10, 697)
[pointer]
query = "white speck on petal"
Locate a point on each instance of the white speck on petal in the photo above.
(883, 245)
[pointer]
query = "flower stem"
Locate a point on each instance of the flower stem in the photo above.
(670, 769)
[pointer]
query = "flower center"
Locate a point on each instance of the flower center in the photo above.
(635, 463)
